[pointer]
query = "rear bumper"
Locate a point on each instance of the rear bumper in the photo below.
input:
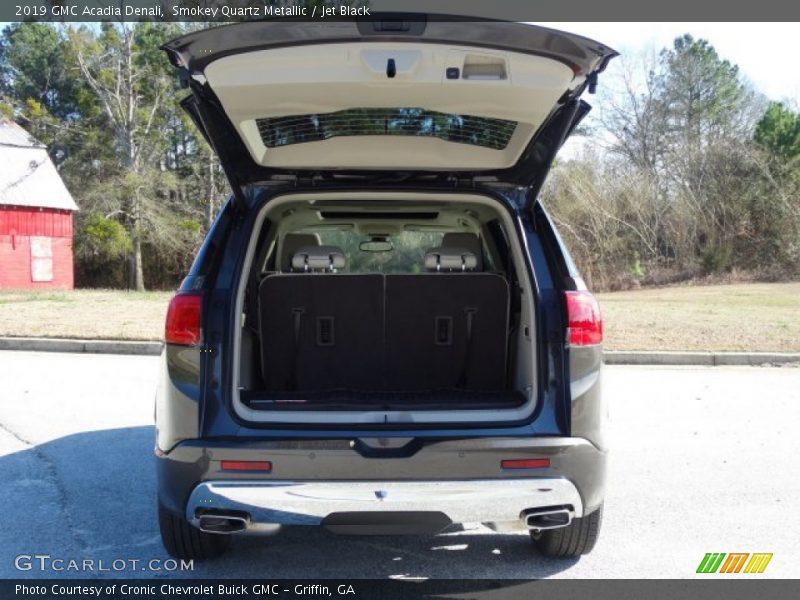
(261, 505)
(314, 481)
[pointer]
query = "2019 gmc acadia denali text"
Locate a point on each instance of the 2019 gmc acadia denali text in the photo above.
(382, 331)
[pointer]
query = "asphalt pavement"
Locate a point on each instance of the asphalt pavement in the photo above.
(705, 459)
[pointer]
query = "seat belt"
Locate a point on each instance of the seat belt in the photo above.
(297, 314)
(462, 379)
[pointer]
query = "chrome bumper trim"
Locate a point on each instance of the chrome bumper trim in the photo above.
(270, 503)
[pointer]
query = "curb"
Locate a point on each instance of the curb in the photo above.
(80, 346)
(703, 359)
(611, 357)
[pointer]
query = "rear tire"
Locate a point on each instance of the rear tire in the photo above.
(182, 540)
(577, 538)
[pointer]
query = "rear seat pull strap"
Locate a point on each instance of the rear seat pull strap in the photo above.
(297, 314)
(470, 311)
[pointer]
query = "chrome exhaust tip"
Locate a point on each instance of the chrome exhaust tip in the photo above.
(223, 522)
(541, 519)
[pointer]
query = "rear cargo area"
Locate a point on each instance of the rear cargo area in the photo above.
(340, 341)
(323, 336)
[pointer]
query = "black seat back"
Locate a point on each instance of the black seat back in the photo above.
(446, 330)
(440, 330)
(322, 331)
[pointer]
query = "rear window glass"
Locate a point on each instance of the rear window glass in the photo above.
(462, 129)
(407, 254)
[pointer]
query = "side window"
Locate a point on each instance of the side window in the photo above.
(488, 258)
(495, 229)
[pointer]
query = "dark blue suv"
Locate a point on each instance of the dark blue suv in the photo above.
(382, 332)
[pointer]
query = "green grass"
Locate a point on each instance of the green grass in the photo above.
(739, 317)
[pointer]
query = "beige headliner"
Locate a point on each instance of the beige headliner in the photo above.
(330, 77)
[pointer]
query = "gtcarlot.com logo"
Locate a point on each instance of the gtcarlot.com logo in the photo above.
(46, 562)
(736, 562)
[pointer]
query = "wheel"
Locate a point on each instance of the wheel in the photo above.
(182, 540)
(579, 537)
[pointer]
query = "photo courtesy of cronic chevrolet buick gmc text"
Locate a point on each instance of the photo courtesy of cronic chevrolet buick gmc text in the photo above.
(382, 332)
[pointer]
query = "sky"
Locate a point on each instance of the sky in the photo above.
(766, 53)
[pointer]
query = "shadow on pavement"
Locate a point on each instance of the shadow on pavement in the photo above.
(92, 496)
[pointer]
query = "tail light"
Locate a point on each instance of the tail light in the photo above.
(183, 320)
(585, 326)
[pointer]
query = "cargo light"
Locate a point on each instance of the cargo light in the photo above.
(585, 325)
(525, 463)
(246, 465)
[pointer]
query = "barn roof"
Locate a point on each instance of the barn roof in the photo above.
(28, 177)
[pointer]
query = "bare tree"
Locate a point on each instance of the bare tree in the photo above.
(130, 90)
(634, 114)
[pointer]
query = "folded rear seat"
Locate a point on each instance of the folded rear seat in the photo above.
(445, 329)
(319, 330)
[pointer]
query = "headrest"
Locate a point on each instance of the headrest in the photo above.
(450, 259)
(292, 242)
(316, 258)
(468, 241)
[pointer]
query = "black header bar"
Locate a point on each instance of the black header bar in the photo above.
(220, 11)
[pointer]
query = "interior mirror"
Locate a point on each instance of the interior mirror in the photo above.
(376, 244)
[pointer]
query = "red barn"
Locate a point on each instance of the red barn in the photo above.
(35, 215)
